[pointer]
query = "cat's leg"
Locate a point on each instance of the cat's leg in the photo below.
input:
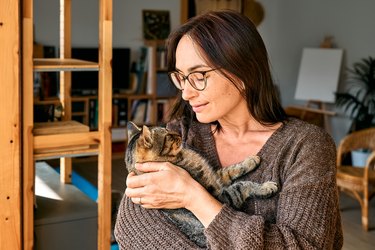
(230, 173)
(188, 224)
(237, 193)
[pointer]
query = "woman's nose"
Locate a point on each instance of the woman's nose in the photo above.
(188, 92)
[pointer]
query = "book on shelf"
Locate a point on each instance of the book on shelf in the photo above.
(141, 69)
(163, 109)
(151, 61)
(119, 112)
(151, 78)
(161, 58)
(122, 114)
(139, 111)
(93, 114)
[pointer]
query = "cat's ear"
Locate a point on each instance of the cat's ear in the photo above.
(146, 134)
(132, 130)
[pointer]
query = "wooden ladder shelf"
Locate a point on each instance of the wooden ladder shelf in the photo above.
(67, 138)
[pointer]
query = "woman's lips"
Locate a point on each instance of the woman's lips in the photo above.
(198, 108)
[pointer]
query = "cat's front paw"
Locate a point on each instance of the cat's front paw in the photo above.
(252, 162)
(268, 189)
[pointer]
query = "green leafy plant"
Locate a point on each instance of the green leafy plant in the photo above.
(359, 100)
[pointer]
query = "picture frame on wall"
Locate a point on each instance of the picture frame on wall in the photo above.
(156, 24)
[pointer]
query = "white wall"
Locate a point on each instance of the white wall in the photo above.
(127, 21)
(291, 25)
(288, 27)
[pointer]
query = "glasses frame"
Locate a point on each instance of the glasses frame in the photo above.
(184, 78)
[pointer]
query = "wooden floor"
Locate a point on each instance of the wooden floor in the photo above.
(355, 238)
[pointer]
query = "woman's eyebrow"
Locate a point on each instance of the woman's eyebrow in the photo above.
(193, 68)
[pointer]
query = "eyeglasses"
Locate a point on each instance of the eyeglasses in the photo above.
(197, 79)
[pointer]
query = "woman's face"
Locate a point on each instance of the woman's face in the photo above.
(220, 100)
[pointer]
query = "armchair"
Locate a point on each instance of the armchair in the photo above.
(355, 181)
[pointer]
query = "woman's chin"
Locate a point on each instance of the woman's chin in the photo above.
(204, 118)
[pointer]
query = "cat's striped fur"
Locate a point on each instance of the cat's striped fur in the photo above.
(159, 144)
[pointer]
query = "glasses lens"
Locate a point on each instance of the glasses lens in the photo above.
(177, 79)
(197, 80)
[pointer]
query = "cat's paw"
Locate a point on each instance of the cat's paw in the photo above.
(268, 189)
(252, 162)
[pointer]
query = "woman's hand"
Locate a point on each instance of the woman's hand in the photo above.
(164, 185)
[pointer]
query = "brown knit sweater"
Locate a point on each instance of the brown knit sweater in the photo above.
(304, 215)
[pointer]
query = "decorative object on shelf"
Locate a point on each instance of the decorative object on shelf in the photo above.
(58, 112)
(359, 100)
(327, 43)
(207, 5)
(49, 112)
(253, 10)
(156, 24)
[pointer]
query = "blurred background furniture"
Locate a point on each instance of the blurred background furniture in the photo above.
(358, 182)
(314, 112)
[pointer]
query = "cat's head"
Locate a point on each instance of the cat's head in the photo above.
(154, 143)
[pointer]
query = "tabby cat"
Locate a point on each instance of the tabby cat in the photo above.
(161, 145)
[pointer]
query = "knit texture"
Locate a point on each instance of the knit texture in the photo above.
(304, 214)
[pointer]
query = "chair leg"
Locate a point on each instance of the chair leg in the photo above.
(364, 208)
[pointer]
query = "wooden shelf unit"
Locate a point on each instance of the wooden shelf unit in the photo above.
(55, 140)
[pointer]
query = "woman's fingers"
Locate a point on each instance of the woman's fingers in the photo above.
(137, 200)
(161, 185)
(152, 166)
(135, 181)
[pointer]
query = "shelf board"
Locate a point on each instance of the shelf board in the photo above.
(59, 127)
(67, 152)
(132, 96)
(66, 64)
(64, 138)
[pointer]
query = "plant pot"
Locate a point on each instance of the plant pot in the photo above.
(359, 157)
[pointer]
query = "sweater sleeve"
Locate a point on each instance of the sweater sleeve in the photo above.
(306, 208)
(138, 228)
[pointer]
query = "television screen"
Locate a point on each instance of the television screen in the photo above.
(86, 82)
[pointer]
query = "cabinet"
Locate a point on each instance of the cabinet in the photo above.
(66, 139)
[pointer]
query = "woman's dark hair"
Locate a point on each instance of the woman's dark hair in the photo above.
(230, 42)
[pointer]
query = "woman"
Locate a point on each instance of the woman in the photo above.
(227, 110)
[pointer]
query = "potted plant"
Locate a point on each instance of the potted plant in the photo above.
(359, 100)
